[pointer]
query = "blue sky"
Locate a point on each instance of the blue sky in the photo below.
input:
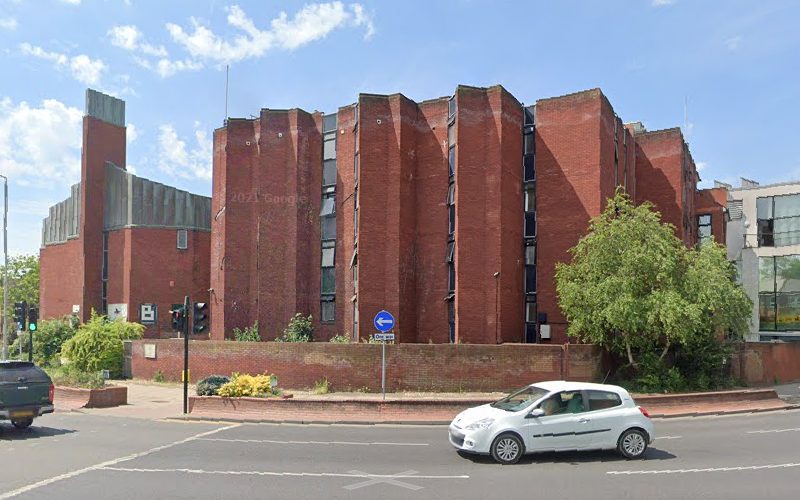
(735, 62)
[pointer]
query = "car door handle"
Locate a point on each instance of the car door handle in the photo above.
(584, 421)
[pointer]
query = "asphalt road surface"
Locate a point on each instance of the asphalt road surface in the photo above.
(99, 457)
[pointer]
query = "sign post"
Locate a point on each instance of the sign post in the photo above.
(384, 322)
(185, 377)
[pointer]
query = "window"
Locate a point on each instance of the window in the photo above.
(563, 402)
(183, 239)
(355, 320)
(329, 122)
(704, 233)
(451, 161)
(328, 255)
(451, 193)
(530, 224)
(451, 217)
(530, 279)
(327, 309)
(355, 168)
(328, 228)
(528, 142)
(329, 147)
(451, 250)
(328, 206)
(451, 134)
(451, 318)
(778, 221)
(528, 118)
(530, 199)
(530, 255)
(451, 107)
(328, 280)
(601, 400)
(451, 277)
(779, 293)
(329, 173)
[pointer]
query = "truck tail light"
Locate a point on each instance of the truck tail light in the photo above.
(644, 412)
(51, 392)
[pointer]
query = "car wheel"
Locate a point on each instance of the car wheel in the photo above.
(632, 444)
(22, 424)
(507, 449)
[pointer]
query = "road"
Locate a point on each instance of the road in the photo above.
(88, 456)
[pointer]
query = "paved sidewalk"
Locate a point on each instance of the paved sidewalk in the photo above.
(150, 400)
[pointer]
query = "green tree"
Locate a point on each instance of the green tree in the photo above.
(98, 344)
(23, 281)
(633, 287)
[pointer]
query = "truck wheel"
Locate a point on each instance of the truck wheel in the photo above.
(22, 424)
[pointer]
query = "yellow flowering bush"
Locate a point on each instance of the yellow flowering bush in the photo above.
(257, 386)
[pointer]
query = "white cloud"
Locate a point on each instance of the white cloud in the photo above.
(131, 133)
(733, 42)
(72, 2)
(82, 67)
(8, 23)
(662, 3)
(40, 145)
(312, 22)
(131, 169)
(166, 68)
(176, 160)
(700, 165)
(130, 38)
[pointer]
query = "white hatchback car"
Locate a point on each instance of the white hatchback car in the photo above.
(555, 416)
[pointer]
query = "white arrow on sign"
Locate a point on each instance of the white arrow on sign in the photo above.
(384, 321)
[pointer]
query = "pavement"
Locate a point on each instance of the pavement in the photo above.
(97, 456)
(154, 400)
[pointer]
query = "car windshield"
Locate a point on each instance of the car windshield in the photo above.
(520, 399)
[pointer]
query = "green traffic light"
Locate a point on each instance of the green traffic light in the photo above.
(32, 327)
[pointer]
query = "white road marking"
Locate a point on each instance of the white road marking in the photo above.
(713, 469)
(393, 482)
(353, 474)
(349, 443)
(668, 437)
(109, 463)
(771, 431)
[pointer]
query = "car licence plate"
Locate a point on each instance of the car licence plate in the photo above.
(21, 414)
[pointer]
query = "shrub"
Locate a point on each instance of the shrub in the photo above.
(340, 339)
(249, 334)
(210, 385)
(322, 386)
(258, 386)
(158, 376)
(47, 340)
(299, 329)
(98, 344)
(69, 376)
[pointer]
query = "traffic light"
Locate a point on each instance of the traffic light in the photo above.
(20, 314)
(33, 318)
(200, 317)
(178, 317)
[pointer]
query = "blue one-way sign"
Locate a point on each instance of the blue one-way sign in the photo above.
(384, 321)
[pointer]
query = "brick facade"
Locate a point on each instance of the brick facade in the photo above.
(393, 211)
(143, 264)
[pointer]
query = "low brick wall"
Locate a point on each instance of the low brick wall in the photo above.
(761, 364)
(73, 398)
(410, 367)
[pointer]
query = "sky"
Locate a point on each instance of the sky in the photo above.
(726, 71)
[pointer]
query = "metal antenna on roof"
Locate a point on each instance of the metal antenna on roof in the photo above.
(227, 71)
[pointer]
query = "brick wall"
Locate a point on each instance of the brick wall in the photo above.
(61, 278)
(767, 364)
(713, 202)
(415, 367)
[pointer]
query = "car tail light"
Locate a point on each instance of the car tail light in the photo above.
(644, 412)
(51, 392)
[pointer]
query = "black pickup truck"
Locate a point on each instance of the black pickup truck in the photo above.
(26, 392)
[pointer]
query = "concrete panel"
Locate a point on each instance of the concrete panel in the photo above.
(104, 107)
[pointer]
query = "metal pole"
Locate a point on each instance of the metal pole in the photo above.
(383, 369)
(5, 269)
(186, 303)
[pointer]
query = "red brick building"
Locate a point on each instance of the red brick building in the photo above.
(121, 242)
(450, 213)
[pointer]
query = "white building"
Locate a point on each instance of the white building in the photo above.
(763, 239)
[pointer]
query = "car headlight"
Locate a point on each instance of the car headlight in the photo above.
(480, 424)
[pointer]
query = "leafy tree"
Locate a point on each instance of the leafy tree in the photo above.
(98, 344)
(23, 281)
(47, 341)
(633, 287)
(300, 329)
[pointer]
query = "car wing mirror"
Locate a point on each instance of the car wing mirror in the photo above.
(536, 413)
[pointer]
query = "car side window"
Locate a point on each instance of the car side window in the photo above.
(601, 400)
(563, 403)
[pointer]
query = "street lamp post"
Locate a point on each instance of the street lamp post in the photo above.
(5, 268)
